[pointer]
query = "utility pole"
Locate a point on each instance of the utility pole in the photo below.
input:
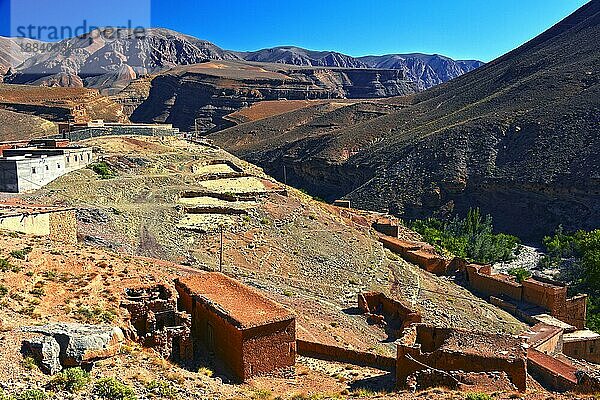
(284, 175)
(221, 252)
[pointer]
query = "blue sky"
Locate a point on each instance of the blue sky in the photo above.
(465, 29)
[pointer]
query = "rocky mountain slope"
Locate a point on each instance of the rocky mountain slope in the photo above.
(516, 137)
(104, 60)
(422, 69)
(299, 56)
(14, 51)
(17, 126)
(203, 94)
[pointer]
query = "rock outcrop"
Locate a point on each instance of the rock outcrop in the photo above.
(70, 344)
(203, 94)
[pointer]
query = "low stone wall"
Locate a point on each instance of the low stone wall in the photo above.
(334, 353)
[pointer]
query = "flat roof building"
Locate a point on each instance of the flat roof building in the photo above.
(26, 169)
(248, 333)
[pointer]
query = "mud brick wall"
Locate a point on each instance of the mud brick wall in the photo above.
(429, 262)
(422, 348)
(418, 253)
(388, 229)
(269, 348)
(334, 353)
(586, 349)
(574, 312)
(550, 371)
(370, 302)
(215, 333)
(63, 226)
(243, 352)
(481, 281)
(551, 297)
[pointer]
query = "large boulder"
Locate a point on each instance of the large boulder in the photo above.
(78, 343)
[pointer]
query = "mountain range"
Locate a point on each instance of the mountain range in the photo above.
(110, 61)
(517, 137)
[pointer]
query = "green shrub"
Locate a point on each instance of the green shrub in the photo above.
(71, 380)
(471, 238)
(163, 389)
(37, 292)
(95, 315)
(6, 266)
(113, 389)
(3, 291)
(520, 274)
(103, 170)
(21, 254)
(478, 396)
(32, 394)
(29, 363)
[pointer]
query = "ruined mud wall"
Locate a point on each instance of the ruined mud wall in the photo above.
(419, 253)
(574, 312)
(268, 349)
(334, 353)
(454, 361)
(374, 302)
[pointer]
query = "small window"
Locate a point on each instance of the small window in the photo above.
(33, 170)
(68, 159)
(75, 158)
(89, 156)
(47, 168)
(58, 166)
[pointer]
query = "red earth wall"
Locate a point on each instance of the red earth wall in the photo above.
(334, 353)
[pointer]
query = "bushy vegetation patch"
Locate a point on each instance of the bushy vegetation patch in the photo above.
(471, 238)
(103, 170)
(577, 256)
(71, 380)
(113, 389)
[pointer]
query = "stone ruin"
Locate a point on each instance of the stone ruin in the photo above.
(155, 322)
(70, 345)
